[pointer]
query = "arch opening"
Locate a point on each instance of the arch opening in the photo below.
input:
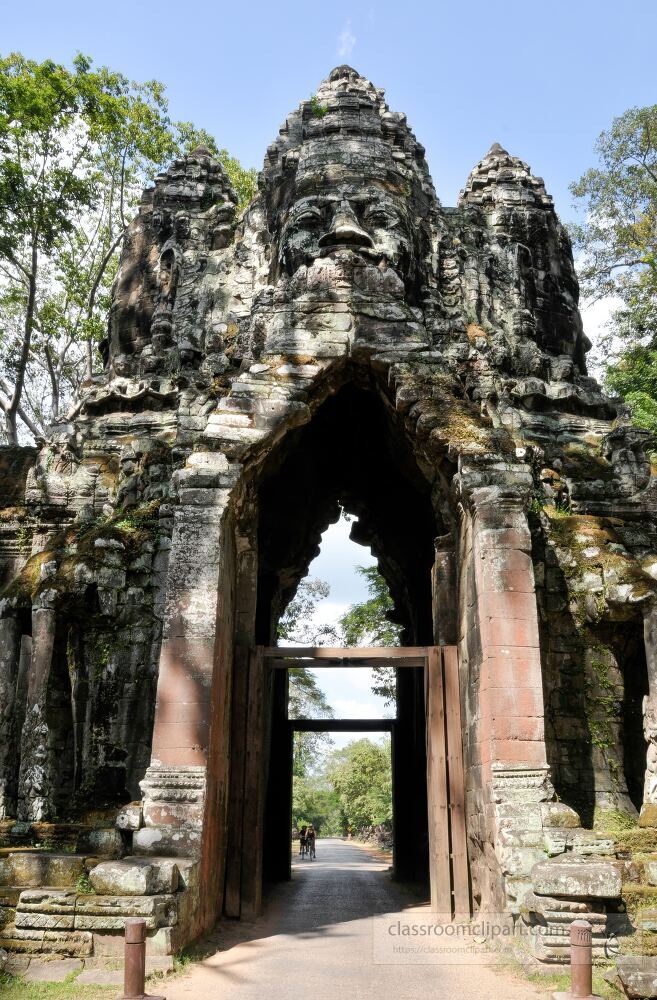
(352, 456)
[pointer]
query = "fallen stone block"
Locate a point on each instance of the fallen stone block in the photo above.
(165, 871)
(638, 976)
(573, 877)
(123, 878)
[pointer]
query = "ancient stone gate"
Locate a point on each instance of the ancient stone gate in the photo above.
(347, 342)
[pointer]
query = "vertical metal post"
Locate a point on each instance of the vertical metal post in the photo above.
(581, 963)
(581, 969)
(134, 975)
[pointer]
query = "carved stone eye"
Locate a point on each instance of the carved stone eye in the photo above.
(377, 218)
(308, 219)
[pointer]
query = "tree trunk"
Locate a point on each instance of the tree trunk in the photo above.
(14, 405)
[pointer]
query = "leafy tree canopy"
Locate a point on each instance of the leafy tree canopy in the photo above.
(77, 146)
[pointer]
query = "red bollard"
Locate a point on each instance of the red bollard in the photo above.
(581, 964)
(134, 975)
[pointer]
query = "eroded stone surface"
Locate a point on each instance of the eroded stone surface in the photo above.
(139, 540)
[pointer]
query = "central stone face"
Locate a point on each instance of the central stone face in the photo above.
(346, 209)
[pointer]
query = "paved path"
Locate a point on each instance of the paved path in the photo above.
(324, 936)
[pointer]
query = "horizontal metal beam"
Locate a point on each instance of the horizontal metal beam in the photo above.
(346, 652)
(342, 725)
(413, 661)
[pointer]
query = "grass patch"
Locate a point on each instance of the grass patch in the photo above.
(15, 988)
(559, 982)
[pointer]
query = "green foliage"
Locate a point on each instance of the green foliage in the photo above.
(617, 247)
(83, 885)
(306, 699)
(317, 109)
(634, 376)
(77, 147)
(618, 240)
(243, 179)
(367, 624)
(315, 801)
(15, 988)
(361, 776)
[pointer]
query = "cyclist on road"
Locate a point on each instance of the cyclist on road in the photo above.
(310, 841)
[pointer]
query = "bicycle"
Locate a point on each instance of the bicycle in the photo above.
(311, 850)
(303, 849)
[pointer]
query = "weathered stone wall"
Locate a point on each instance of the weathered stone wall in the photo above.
(350, 341)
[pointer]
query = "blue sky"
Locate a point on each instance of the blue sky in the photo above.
(542, 79)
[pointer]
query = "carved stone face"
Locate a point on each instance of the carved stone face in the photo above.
(362, 217)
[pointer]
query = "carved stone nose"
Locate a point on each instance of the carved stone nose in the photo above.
(345, 230)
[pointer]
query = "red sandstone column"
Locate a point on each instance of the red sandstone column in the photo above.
(510, 684)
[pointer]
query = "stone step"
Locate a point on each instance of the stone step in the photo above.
(41, 868)
(66, 942)
(59, 910)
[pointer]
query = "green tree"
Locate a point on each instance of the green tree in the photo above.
(367, 624)
(617, 253)
(77, 146)
(362, 778)
(315, 801)
(306, 700)
(617, 242)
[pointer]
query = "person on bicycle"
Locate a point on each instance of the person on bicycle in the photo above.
(310, 841)
(303, 841)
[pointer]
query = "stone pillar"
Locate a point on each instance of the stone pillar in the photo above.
(649, 808)
(10, 651)
(444, 590)
(508, 774)
(510, 686)
(34, 781)
(186, 786)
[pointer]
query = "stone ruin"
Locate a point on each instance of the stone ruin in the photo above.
(346, 341)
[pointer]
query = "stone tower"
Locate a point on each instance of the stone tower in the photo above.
(346, 341)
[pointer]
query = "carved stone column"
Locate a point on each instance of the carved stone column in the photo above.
(35, 781)
(506, 760)
(10, 651)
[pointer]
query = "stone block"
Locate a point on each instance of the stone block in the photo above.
(165, 941)
(558, 814)
(573, 877)
(104, 841)
(122, 878)
(36, 869)
(100, 977)
(638, 975)
(167, 841)
(30, 941)
(166, 872)
(109, 912)
(648, 815)
(129, 817)
(52, 972)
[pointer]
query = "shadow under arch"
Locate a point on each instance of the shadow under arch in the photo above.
(353, 454)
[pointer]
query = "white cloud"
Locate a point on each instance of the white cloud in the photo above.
(346, 41)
